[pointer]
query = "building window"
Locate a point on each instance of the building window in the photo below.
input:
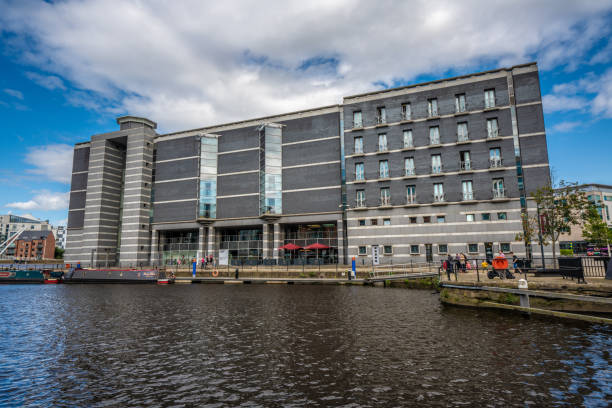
(436, 164)
(470, 217)
(467, 190)
(383, 169)
(465, 162)
(385, 196)
(408, 142)
(387, 249)
(504, 246)
(359, 144)
(443, 249)
(462, 132)
(406, 111)
(489, 97)
(374, 221)
(502, 216)
(441, 219)
(362, 250)
(413, 220)
(426, 219)
(495, 160)
(357, 119)
(381, 115)
(486, 216)
(434, 135)
(432, 107)
(362, 223)
(492, 128)
(270, 162)
(386, 221)
(414, 249)
(460, 103)
(473, 248)
(411, 195)
(382, 142)
(359, 171)
(409, 166)
(360, 199)
(498, 188)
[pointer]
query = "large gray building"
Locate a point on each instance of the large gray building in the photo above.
(421, 171)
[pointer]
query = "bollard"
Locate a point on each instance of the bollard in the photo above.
(522, 284)
(236, 273)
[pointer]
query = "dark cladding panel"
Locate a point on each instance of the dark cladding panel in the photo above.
(79, 182)
(311, 127)
(527, 88)
(238, 207)
(80, 159)
(312, 201)
(76, 219)
(311, 176)
(176, 190)
(173, 212)
(178, 148)
(239, 161)
(177, 169)
(238, 184)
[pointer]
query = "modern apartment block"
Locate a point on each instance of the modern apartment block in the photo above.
(421, 171)
(11, 224)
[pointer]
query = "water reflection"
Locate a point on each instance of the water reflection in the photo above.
(120, 345)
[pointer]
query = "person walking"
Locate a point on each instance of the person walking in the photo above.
(449, 266)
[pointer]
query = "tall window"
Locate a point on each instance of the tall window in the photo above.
(489, 97)
(465, 162)
(438, 192)
(460, 103)
(409, 166)
(406, 111)
(383, 169)
(434, 135)
(467, 190)
(410, 194)
(432, 107)
(359, 171)
(498, 188)
(381, 115)
(492, 128)
(382, 142)
(495, 159)
(357, 119)
(359, 144)
(462, 132)
(270, 169)
(408, 142)
(385, 196)
(436, 163)
(208, 177)
(360, 199)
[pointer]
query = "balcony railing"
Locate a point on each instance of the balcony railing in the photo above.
(359, 177)
(499, 193)
(493, 133)
(357, 125)
(434, 141)
(439, 198)
(383, 175)
(409, 172)
(436, 169)
(467, 196)
(406, 115)
(462, 137)
(360, 203)
(411, 199)
(465, 165)
(409, 145)
(381, 120)
(495, 163)
(385, 201)
(383, 149)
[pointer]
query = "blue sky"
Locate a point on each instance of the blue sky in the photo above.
(69, 68)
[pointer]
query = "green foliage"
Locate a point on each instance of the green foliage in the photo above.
(594, 229)
(567, 252)
(509, 299)
(59, 253)
(312, 274)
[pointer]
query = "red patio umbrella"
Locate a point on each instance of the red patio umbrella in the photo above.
(290, 246)
(317, 246)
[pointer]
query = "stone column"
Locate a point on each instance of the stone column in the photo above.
(276, 240)
(154, 253)
(264, 243)
(341, 242)
(211, 241)
(201, 243)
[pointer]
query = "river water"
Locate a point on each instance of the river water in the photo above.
(279, 345)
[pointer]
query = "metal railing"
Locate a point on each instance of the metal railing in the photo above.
(462, 137)
(465, 165)
(357, 125)
(439, 198)
(499, 193)
(360, 203)
(406, 115)
(409, 172)
(380, 120)
(495, 163)
(493, 133)
(385, 201)
(411, 199)
(467, 196)
(434, 141)
(436, 169)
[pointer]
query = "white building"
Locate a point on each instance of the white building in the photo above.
(10, 224)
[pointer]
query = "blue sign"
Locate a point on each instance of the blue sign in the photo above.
(195, 264)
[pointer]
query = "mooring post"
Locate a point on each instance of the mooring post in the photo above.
(522, 284)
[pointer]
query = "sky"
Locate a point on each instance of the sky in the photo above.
(69, 68)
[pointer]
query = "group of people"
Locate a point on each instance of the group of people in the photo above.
(459, 263)
(207, 261)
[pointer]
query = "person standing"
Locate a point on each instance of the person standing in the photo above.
(449, 266)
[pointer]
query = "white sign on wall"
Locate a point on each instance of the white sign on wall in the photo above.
(223, 256)
(375, 255)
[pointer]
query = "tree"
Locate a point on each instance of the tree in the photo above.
(59, 253)
(530, 231)
(560, 208)
(595, 230)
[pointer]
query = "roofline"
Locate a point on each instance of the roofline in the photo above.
(436, 81)
(594, 185)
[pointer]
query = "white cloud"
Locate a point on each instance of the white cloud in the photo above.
(43, 200)
(193, 63)
(566, 126)
(602, 104)
(14, 93)
(53, 161)
(50, 82)
(563, 103)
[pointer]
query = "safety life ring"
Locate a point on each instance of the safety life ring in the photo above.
(215, 273)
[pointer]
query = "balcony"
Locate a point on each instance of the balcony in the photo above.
(499, 194)
(461, 111)
(463, 138)
(406, 117)
(409, 173)
(439, 199)
(408, 147)
(493, 134)
(360, 204)
(382, 150)
(467, 197)
(358, 152)
(381, 121)
(411, 201)
(465, 166)
(360, 178)
(437, 171)
(270, 213)
(385, 202)
(435, 142)
(496, 164)
(492, 107)
(357, 125)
